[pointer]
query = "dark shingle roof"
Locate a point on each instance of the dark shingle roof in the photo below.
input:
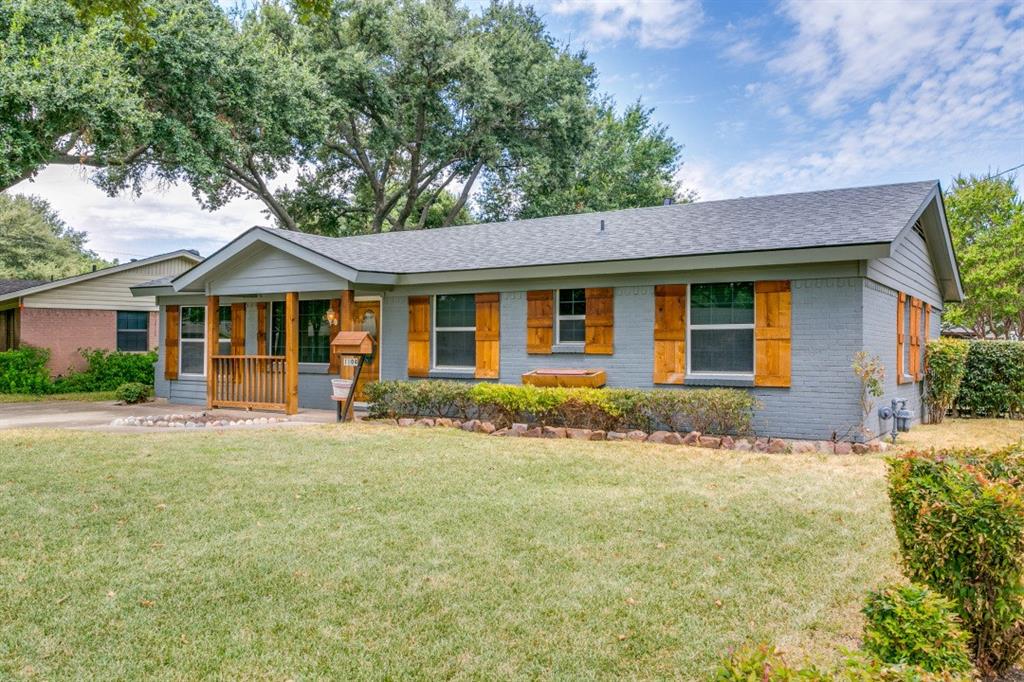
(9, 286)
(861, 215)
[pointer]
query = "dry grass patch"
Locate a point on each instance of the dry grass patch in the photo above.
(367, 552)
(964, 433)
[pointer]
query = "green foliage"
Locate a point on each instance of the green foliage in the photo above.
(959, 519)
(912, 625)
(133, 392)
(106, 371)
(36, 244)
(764, 663)
(24, 371)
(945, 369)
(993, 383)
(870, 373)
(986, 220)
(715, 410)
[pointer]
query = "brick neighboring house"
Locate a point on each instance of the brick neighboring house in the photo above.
(93, 310)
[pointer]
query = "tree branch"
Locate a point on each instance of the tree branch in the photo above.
(464, 196)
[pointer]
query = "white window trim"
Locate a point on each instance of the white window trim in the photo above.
(182, 341)
(559, 317)
(434, 329)
(689, 344)
(118, 330)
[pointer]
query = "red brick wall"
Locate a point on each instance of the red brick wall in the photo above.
(64, 331)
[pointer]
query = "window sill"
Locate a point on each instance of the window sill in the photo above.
(713, 380)
(449, 373)
(568, 348)
(313, 367)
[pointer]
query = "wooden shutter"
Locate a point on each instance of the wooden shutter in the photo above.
(172, 326)
(540, 330)
(925, 333)
(915, 339)
(261, 328)
(332, 366)
(238, 329)
(773, 305)
(419, 336)
(600, 322)
(669, 333)
(488, 336)
(901, 302)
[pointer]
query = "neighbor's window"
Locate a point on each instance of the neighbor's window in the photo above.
(454, 330)
(570, 323)
(132, 331)
(224, 330)
(193, 340)
(314, 330)
(722, 328)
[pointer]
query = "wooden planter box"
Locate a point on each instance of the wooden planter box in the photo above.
(566, 378)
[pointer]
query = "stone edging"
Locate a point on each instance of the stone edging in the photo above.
(193, 421)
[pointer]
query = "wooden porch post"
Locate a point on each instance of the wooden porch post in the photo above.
(291, 352)
(212, 339)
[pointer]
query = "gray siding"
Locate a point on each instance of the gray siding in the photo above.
(109, 292)
(909, 270)
(269, 271)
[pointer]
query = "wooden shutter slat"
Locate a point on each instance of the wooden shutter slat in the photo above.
(238, 329)
(172, 322)
(539, 321)
(915, 339)
(773, 308)
(600, 321)
(669, 333)
(901, 302)
(261, 328)
(488, 336)
(419, 336)
(926, 333)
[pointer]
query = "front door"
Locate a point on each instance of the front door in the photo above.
(367, 318)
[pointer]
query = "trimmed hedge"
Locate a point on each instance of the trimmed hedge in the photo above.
(710, 410)
(959, 520)
(133, 392)
(24, 371)
(946, 367)
(106, 371)
(993, 385)
(912, 625)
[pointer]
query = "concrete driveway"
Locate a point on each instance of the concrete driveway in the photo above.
(70, 414)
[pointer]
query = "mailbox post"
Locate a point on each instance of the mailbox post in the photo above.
(358, 346)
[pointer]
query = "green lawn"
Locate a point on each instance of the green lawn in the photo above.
(33, 398)
(375, 552)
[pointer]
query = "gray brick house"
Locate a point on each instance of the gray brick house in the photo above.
(773, 295)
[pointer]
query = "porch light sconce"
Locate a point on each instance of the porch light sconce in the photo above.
(331, 317)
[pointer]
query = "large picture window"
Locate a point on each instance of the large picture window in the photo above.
(314, 330)
(132, 331)
(721, 328)
(571, 321)
(454, 331)
(193, 340)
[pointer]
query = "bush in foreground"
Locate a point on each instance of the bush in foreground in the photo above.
(959, 519)
(106, 371)
(911, 625)
(711, 410)
(24, 371)
(133, 392)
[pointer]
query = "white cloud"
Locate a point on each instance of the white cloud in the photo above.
(123, 227)
(651, 23)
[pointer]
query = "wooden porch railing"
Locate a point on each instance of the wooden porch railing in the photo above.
(256, 381)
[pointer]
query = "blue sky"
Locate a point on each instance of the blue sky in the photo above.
(766, 97)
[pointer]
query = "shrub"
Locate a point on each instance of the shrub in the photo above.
(763, 663)
(133, 392)
(945, 369)
(715, 410)
(107, 370)
(912, 625)
(959, 519)
(24, 371)
(993, 384)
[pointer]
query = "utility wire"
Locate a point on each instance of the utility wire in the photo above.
(1020, 165)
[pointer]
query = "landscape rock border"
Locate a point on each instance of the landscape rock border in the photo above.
(196, 420)
(693, 438)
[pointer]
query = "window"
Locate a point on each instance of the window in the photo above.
(721, 328)
(570, 323)
(132, 331)
(455, 330)
(906, 335)
(314, 330)
(224, 330)
(193, 340)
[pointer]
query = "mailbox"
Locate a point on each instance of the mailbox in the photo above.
(352, 343)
